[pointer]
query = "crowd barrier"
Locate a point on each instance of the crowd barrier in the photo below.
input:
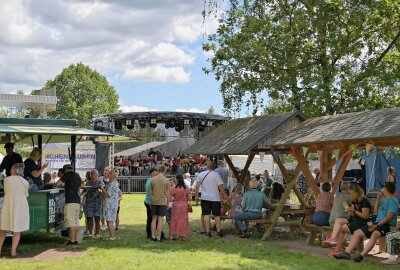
(134, 184)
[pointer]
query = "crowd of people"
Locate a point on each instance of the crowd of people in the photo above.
(351, 213)
(100, 197)
(216, 189)
(174, 164)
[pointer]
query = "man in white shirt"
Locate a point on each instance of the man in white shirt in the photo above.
(211, 188)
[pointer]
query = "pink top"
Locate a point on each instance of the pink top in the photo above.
(324, 202)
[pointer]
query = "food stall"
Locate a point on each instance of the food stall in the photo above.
(46, 207)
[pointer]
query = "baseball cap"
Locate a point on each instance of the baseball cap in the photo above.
(9, 145)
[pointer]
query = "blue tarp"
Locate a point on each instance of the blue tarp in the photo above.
(376, 169)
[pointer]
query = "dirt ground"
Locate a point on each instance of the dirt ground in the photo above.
(319, 251)
(50, 254)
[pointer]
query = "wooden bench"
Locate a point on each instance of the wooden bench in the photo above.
(314, 230)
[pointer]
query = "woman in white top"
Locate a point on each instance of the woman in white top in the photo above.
(15, 213)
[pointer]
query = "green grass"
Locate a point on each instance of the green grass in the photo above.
(131, 250)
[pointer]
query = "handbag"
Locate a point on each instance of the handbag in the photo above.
(189, 208)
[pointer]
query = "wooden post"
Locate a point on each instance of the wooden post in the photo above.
(341, 170)
(246, 168)
(278, 209)
(299, 195)
(306, 170)
(232, 167)
(291, 182)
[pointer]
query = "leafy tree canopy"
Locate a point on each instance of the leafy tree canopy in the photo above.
(321, 57)
(82, 93)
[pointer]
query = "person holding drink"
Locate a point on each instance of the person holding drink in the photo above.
(385, 220)
(32, 170)
(359, 210)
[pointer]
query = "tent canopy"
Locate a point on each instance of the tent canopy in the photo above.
(23, 130)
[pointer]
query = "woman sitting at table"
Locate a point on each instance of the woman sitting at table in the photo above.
(276, 192)
(15, 213)
(359, 210)
(235, 199)
(92, 207)
(323, 206)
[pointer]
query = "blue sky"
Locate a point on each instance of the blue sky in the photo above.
(149, 50)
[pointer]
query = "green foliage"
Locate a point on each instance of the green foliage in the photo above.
(82, 93)
(321, 57)
(211, 110)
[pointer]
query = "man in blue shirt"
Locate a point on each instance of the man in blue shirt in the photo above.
(153, 172)
(252, 203)
(385, 220)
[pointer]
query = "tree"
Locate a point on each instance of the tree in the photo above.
(321, 57)
(211, 110)
(82, 93)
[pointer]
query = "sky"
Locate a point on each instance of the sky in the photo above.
(149, 50)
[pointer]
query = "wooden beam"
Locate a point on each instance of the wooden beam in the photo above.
(291, 184)
(246, 168)
(299, 196)
(278, 210)
(341, 170)
(343, 152)
(323, 165)
(311, 183)
(232, 167)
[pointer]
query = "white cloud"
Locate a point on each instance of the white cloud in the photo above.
(193, 110)
(158, 73)
(166, 54)
(136, 40)
(135, 108)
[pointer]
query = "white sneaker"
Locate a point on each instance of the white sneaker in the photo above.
(103, 227)
(390, 261)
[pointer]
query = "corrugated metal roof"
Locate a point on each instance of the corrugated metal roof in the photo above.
(350, 127)
(239, 136)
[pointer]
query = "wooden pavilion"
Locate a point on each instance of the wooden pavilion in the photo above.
(246, 136)
(334, 138)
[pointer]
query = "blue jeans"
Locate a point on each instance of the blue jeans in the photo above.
(239, 219)
(321, 218)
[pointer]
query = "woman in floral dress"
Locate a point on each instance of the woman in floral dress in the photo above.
(180, 215)
(111, 198)
(106, 180)
(92, 207)
(235, 199)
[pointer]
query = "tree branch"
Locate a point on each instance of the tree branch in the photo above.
(389, 47)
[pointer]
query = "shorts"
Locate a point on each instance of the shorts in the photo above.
(383, 230)
(208, 207)
(355, 225)
(71, 214)
(158, 210)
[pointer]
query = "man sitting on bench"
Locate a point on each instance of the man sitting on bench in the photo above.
(387, 218)
(252, 203)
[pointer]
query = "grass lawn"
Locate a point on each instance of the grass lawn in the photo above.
(131, 250)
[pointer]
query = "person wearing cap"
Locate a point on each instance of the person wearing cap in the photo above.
(72, 182)
(10, 158)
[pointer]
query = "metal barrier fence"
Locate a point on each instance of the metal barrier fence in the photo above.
(134, 184)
